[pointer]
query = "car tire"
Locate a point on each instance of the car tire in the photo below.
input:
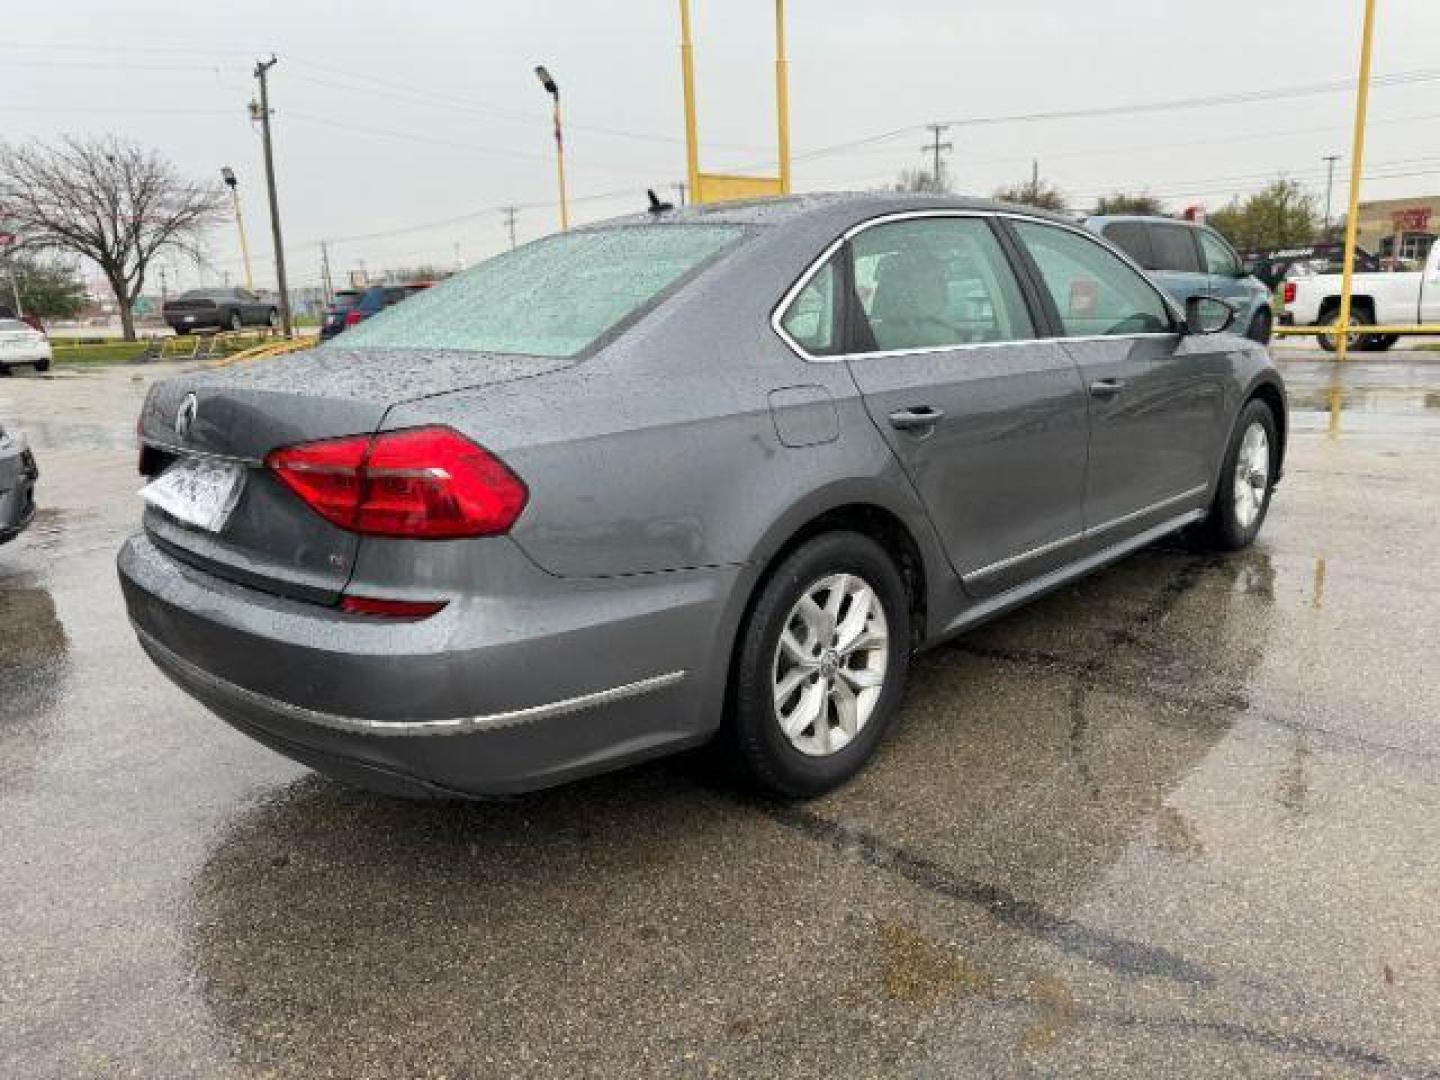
(272, 319)
(1261, 327)
(1357, 340)
(235, 322)
(1238, 511)
(775, 687)
(1380, 342)
(42, 365)
(182, 331)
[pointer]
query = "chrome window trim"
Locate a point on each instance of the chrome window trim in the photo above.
(778, 312)
(459, 725)
(1084, 534)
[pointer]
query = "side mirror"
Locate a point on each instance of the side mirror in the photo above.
(1208, 315)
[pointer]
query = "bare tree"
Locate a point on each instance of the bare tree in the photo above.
(1124, 203)
(924, 181)
(113, 202)
(1033, 192)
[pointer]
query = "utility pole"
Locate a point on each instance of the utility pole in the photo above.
(934, 147)
(325, 278)
(262, 113)
(1330, 160)
(510, 212)
(1034, 179)
(164, 287)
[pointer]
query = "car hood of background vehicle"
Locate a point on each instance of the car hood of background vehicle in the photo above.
(248, 409)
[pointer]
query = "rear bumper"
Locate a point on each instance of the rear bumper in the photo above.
(27, 357)
(17, 488)
(193, 320)
(490, 697)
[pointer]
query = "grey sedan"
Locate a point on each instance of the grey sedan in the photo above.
(18, 474)
(708, 476)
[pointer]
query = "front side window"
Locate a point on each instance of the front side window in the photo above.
(555, 297)
(812, 319)
(937, 281)
(1096, 293)
(1218, 256)
(1174, 249)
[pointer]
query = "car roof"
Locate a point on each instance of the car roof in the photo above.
(1147, 219)
(844, 207)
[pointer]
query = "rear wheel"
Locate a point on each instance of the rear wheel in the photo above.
(821, 666)
(1379, 342)
(1247, 478)
(234, 322)
(272, 318)
(1261, 326)
(1354, 339)
(42, 365)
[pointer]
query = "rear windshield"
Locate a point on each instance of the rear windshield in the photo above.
(554, 297)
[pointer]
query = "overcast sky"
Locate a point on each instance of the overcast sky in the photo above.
(402, 128)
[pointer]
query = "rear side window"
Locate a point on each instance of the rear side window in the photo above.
(1175, 249)
(937, 281)
(812, 319)
(1133, 238)
(554, 297)
(1096, 294)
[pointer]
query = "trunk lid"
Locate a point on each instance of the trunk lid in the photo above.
(271, 539)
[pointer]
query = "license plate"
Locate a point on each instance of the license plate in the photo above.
(197, 491)
(189, 318)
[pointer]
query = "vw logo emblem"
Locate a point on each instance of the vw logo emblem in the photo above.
(185, 416)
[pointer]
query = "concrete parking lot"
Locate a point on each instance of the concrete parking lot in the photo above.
(1180, 819)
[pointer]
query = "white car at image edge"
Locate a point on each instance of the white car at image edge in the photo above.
(21, 344)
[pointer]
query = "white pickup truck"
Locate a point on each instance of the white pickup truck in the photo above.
(1387, 300)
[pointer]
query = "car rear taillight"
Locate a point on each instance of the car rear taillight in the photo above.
(1289, 292)
(429, 483)
(352, 317)
(390, 609)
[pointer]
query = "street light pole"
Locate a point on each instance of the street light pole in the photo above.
(553, 89)
(228, 175)
(1357, 161)
(1329, 160)
(262, 113)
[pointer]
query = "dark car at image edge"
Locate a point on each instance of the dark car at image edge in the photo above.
(18, 474)
(699, 476)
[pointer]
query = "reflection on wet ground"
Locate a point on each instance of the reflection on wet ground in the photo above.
(1176, 820)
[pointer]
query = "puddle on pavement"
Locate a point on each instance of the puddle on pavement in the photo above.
(34, 657)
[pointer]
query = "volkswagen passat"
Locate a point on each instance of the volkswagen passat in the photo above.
(710, 472)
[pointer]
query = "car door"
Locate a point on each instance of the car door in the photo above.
(987, 418)
(1156, 396)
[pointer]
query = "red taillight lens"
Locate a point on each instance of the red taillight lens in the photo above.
(1289, 292)
(352, 317)
(390, 609)
(429, 482)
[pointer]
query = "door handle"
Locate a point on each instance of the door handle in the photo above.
(1104, 388)
(916, 417)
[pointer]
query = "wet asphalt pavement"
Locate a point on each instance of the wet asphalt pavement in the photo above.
(1180, 819)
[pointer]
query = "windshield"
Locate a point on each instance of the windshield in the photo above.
(554, 297)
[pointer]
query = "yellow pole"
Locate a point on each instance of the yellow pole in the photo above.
(782, 96)
(687, 74)
(560, 168)
(244, 247)
(1357, 156)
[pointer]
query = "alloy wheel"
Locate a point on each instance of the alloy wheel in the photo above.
(829, 667)
(1252, 475)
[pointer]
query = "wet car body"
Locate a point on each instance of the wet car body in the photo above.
(669, 465)
(18, 474)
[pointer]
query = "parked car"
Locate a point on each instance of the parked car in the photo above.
(1191, 260)
(372, 301)
(713, 473)
(32, 321)
(219, 309)
(1406, 298)
(23, 345)
(18, 474)
(1273, 265)
(341, 304)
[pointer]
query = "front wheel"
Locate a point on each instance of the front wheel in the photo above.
(42, 365)
(1247, 478)
(272, 318)
(234, 322)
(1379, 342)
(821, 666)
